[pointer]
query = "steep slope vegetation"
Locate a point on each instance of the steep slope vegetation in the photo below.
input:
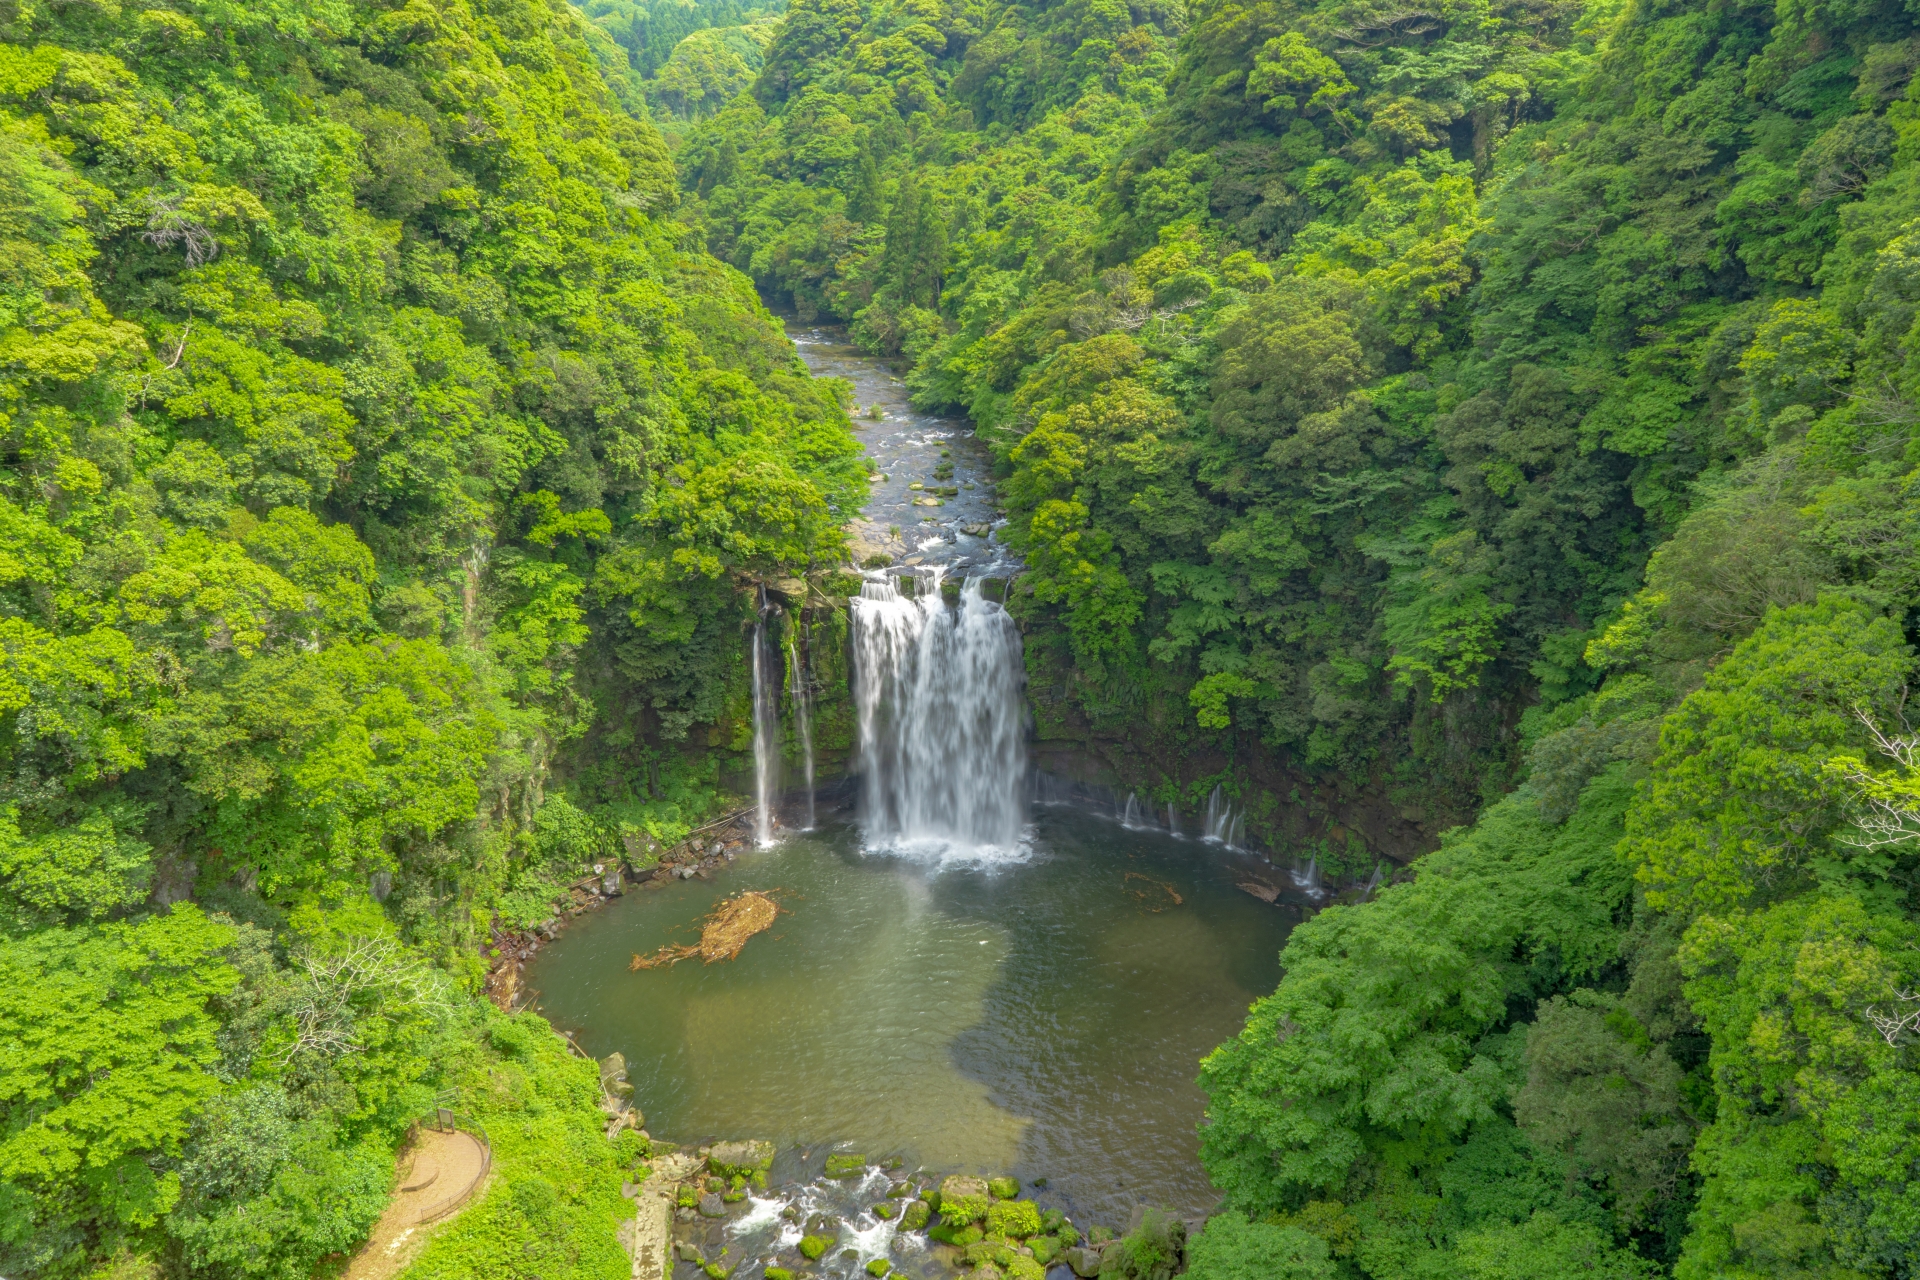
(1421, 404)
(374, 446)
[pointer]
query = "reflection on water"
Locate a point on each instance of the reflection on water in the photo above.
(1042, 1018)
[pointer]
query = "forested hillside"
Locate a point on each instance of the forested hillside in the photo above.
(1506, 408)
(375, 445)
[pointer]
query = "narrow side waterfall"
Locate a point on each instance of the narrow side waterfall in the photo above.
(1220, 824)
(942, 726)
(801, 691)
(766, 733)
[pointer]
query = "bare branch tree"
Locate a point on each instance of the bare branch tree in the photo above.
(1896, 1026)
(1889, 817)
(167, 226)
(328, 995)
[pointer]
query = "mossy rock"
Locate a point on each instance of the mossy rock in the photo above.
(687, 1197)
(1025, 1269)
(968, 1234)
(1003, 1188)
(1099, 1236)
(915, 1215)
(1052, 1219)
(879, 1267)
(813, 1247)
(900, 1191)
(778, 1273)
(988, 1272)
(1045, 1249)
(741, 1161)
(1067, 1234)
(846, 1166)
(962, 1200)
(715, 1271)
(885, 1210)
(1014, 1219)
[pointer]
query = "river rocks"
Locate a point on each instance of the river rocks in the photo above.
(915, 1215)
(885, 1210)
(822, 1224)
(812, 1247)
(687, 1251)
(711, 1206)
(1085, 1262)
(1014, 1219)
(742, 1160)
(1003, 1188)
(846, 1166)
(878, 1268)
(1025, 1269)
(962, 1199)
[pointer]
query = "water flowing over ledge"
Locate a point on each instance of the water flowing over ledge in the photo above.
(937, 696)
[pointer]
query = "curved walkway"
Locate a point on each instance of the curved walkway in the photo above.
(438, 1174)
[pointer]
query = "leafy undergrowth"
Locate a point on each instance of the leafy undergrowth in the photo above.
(552, 1205)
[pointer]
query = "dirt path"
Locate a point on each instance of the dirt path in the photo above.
(438, 1174)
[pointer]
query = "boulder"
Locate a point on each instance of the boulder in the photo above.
(741, 1160)
(1003, 1188)
(915, 1215)
(1085, 1262)
(711, 1206)
(962, 1186)
(687, 1251)
(846, 1166)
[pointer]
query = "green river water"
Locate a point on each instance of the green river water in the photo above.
(1043, 1016)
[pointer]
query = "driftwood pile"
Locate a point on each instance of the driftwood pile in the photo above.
(726, 931)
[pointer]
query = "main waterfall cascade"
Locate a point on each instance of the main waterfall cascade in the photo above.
(942, 724)
(766, 733)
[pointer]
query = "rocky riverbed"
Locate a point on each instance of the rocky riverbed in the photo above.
(741, 1209)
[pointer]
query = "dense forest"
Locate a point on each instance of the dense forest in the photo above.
(1503, 411)
(1506, 407)
(374, 442)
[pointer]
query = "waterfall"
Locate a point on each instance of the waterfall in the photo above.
(1373, 882)
(766, 732)
(1131, 818)
(802, 694)
(942, 725)
(1219, 824)
(1173, 821)
(1308, 881)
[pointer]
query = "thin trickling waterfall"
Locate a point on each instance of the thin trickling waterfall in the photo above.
(1173, 820)
(766, 731)
(942, 727)
(1131, 818)
(802, 694)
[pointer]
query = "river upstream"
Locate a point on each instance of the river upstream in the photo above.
(958, 980)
